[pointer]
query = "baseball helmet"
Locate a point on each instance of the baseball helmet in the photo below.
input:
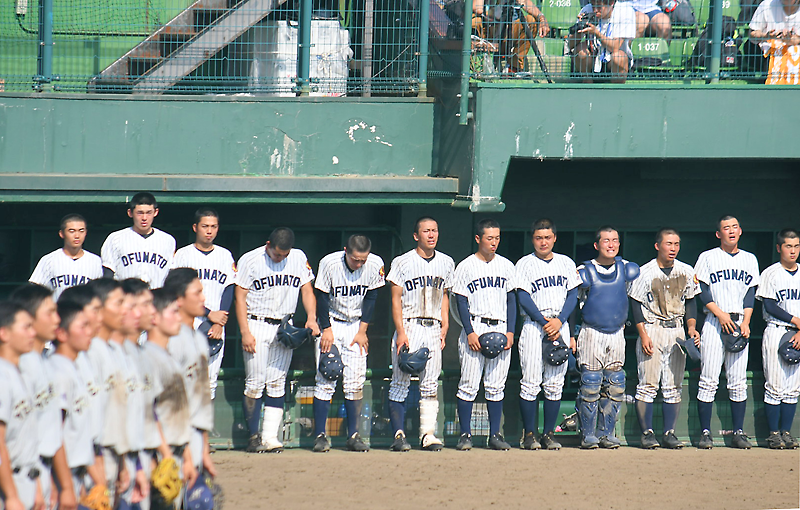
(734, 341)
(413, 363)
(330, 364)
(688, 346)
(199, 497)
(786, 349)
(492, 344)
(290, 335)
(554, 352)
(214, 345)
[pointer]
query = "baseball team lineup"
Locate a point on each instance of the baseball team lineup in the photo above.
(114, 359)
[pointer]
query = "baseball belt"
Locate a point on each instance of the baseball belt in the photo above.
(268, 320)
(672, 323)
(424, 321)
(33, 473)
(346, 321)
(488, 321)
(735, 316)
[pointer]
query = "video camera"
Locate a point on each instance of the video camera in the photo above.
(583, 23)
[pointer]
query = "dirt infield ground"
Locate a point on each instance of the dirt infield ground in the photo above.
(566, 479)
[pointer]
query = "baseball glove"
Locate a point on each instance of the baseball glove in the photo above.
(166, 480)
(97, 498)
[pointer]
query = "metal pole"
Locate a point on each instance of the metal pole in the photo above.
(466, 50)
(304, 48)
(45, 61)
(424, 21)
(716, 40)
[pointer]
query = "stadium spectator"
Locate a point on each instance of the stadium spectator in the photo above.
(776, 19)
(605, 54)
(489, 21)
(650, 16)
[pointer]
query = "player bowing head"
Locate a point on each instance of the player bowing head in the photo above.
(543, 237)
(143, 209)
(280, 243)
(606, 242)
(357, 250)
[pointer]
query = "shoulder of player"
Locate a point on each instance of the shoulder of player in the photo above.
(330, 258)
(184, 251)
(247, 257)
(770, 271)
(297, 254)
(375, 260)
(160, 233)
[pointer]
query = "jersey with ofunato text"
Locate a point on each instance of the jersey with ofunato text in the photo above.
(664, 296)
(547, 281)
(784, 287)
(728, 277)
(216, 270)
(58, 271)
(347, 288)
(273, 287)
(424, 282)
(485, 285)
(132, 255)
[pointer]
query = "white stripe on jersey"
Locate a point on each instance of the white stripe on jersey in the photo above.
(485, 285)
(784, 287)
(547, 281)
(130, 255)
(273, 288)
(58, 271)
(423, 281)
(345, 287)
(727, 276)
(216, 270)
(664, 296)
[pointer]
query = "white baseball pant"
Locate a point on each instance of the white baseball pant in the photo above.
(782, 379)
(536, 374)
(354, 359)
(268, 365)
(474, 365)
(601, 351)
(712, 357)
(665, 367)
(418, 336)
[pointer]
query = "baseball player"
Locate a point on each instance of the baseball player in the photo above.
(728, 279)
(19, 452)
(216, 269)
(268, 284)
(779, 292)
(420, 279)
(70, 265)
(601, 343)
(347, 284)
(547, 294)
(484, 288)
(140, 251)
(662, 302)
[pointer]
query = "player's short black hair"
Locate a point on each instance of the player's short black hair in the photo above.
(162, 298)
(358, 243)
(179, 279)
(102, 287)
(787, 233)
(725, 217)
(67, 311)
(70, 217)
(134, 286)
(8, 312)
(81, 295)
(543, 224)
(665, 232)
(142, 198)
(30, 296)
(203, 212)
(282, 238)
(484, 224)
(422, 219)
(604, 228)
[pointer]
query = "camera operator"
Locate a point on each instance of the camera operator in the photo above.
(488, 21)
(605, 54)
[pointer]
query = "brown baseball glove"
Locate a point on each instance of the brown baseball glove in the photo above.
(97, 498)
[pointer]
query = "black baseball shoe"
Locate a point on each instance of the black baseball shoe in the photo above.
(400, 444)
(671, 441)
(549, 442)
(321, 443)
(464, 442)
(706, 442)
(254, 445)
(649, 441)
(356, 444)
(609, 442)
(788, 440)
(431, 443)
(529, 442)
(740, 441)
(775, 441)
(496, 442)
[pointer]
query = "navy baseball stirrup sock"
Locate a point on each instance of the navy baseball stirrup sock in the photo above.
(737, 414)
(321, 408)
(670, 415)
(528, 409)
(353, 410)
(644, 412)
(252, 413)
(273, 401)
(704, 410)
(787, 415)
(551, 409)
(397, 415)
(773, 412)
(495, 409)
(464, 409)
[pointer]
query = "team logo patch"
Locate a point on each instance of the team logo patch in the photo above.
(382, 272)
(308, 266)
(235, 269)
(696, 281)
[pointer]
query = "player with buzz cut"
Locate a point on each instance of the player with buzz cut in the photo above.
(662, 304)
(419, 279)
(70, 265)
(268, 284)
(779, 292)
(141, 250)
(484, 288)
(728, 277)
(216, 269)
(547, 295)
(347, 286)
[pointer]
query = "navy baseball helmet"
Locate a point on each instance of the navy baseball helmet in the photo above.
(290, 335)
(734, 341)
(688, 346)
(786, 349)
(199, 497)
(330, 364)
(554, 352)
(413, 363)
(492, 344)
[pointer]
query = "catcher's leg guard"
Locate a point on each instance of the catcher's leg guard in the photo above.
(586, 405)
(609, 406)
(270, 428)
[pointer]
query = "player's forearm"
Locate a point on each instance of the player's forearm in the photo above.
(750, 298)
(61, 470)
(226, 300)
(368, 306)
(748, 314)
(511, 312)
(462, 304)
(637, 312)
(309, 301)
(690, 311)
(640, 329)
(397, 308)
(241, 309)
(570, 303)
(611, 44)
(529, 307)
(6, 477)
(323, 309)
(446, 311)
(107, 273)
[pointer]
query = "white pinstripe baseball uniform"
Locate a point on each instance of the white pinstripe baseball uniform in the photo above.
(782, 379)
(346, 290)
(424, 282)
(547, 281)
(486, 286)
(273, 290)
(131, 255)
(728, 278)
(58, 271)
(663, 297)
(216, 270)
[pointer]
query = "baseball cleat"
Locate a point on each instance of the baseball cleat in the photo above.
(529, 442)
(740, 440)
(775, 441)
(496, 442)
(254, 445)
(789, 441)
(706, 442)
(356, 444)
(271, 446)
(431, 443)
(464, 442)
(321, 443)
(609, 442)
(589, 443)
(671, 441)
(549, 442)
(400, 444)
(649, 441)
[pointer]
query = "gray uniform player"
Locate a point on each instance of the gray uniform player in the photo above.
(728, 278)
(779, 293)
(484, 288)
(268, 284)
(663, 303)
(216, 269)
(419, 280)
(70, 265)
(347, 284)
(547, 295)
(140, 251)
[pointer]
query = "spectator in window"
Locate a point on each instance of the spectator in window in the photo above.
(488, 23)
(600, 41)
(650, 16)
